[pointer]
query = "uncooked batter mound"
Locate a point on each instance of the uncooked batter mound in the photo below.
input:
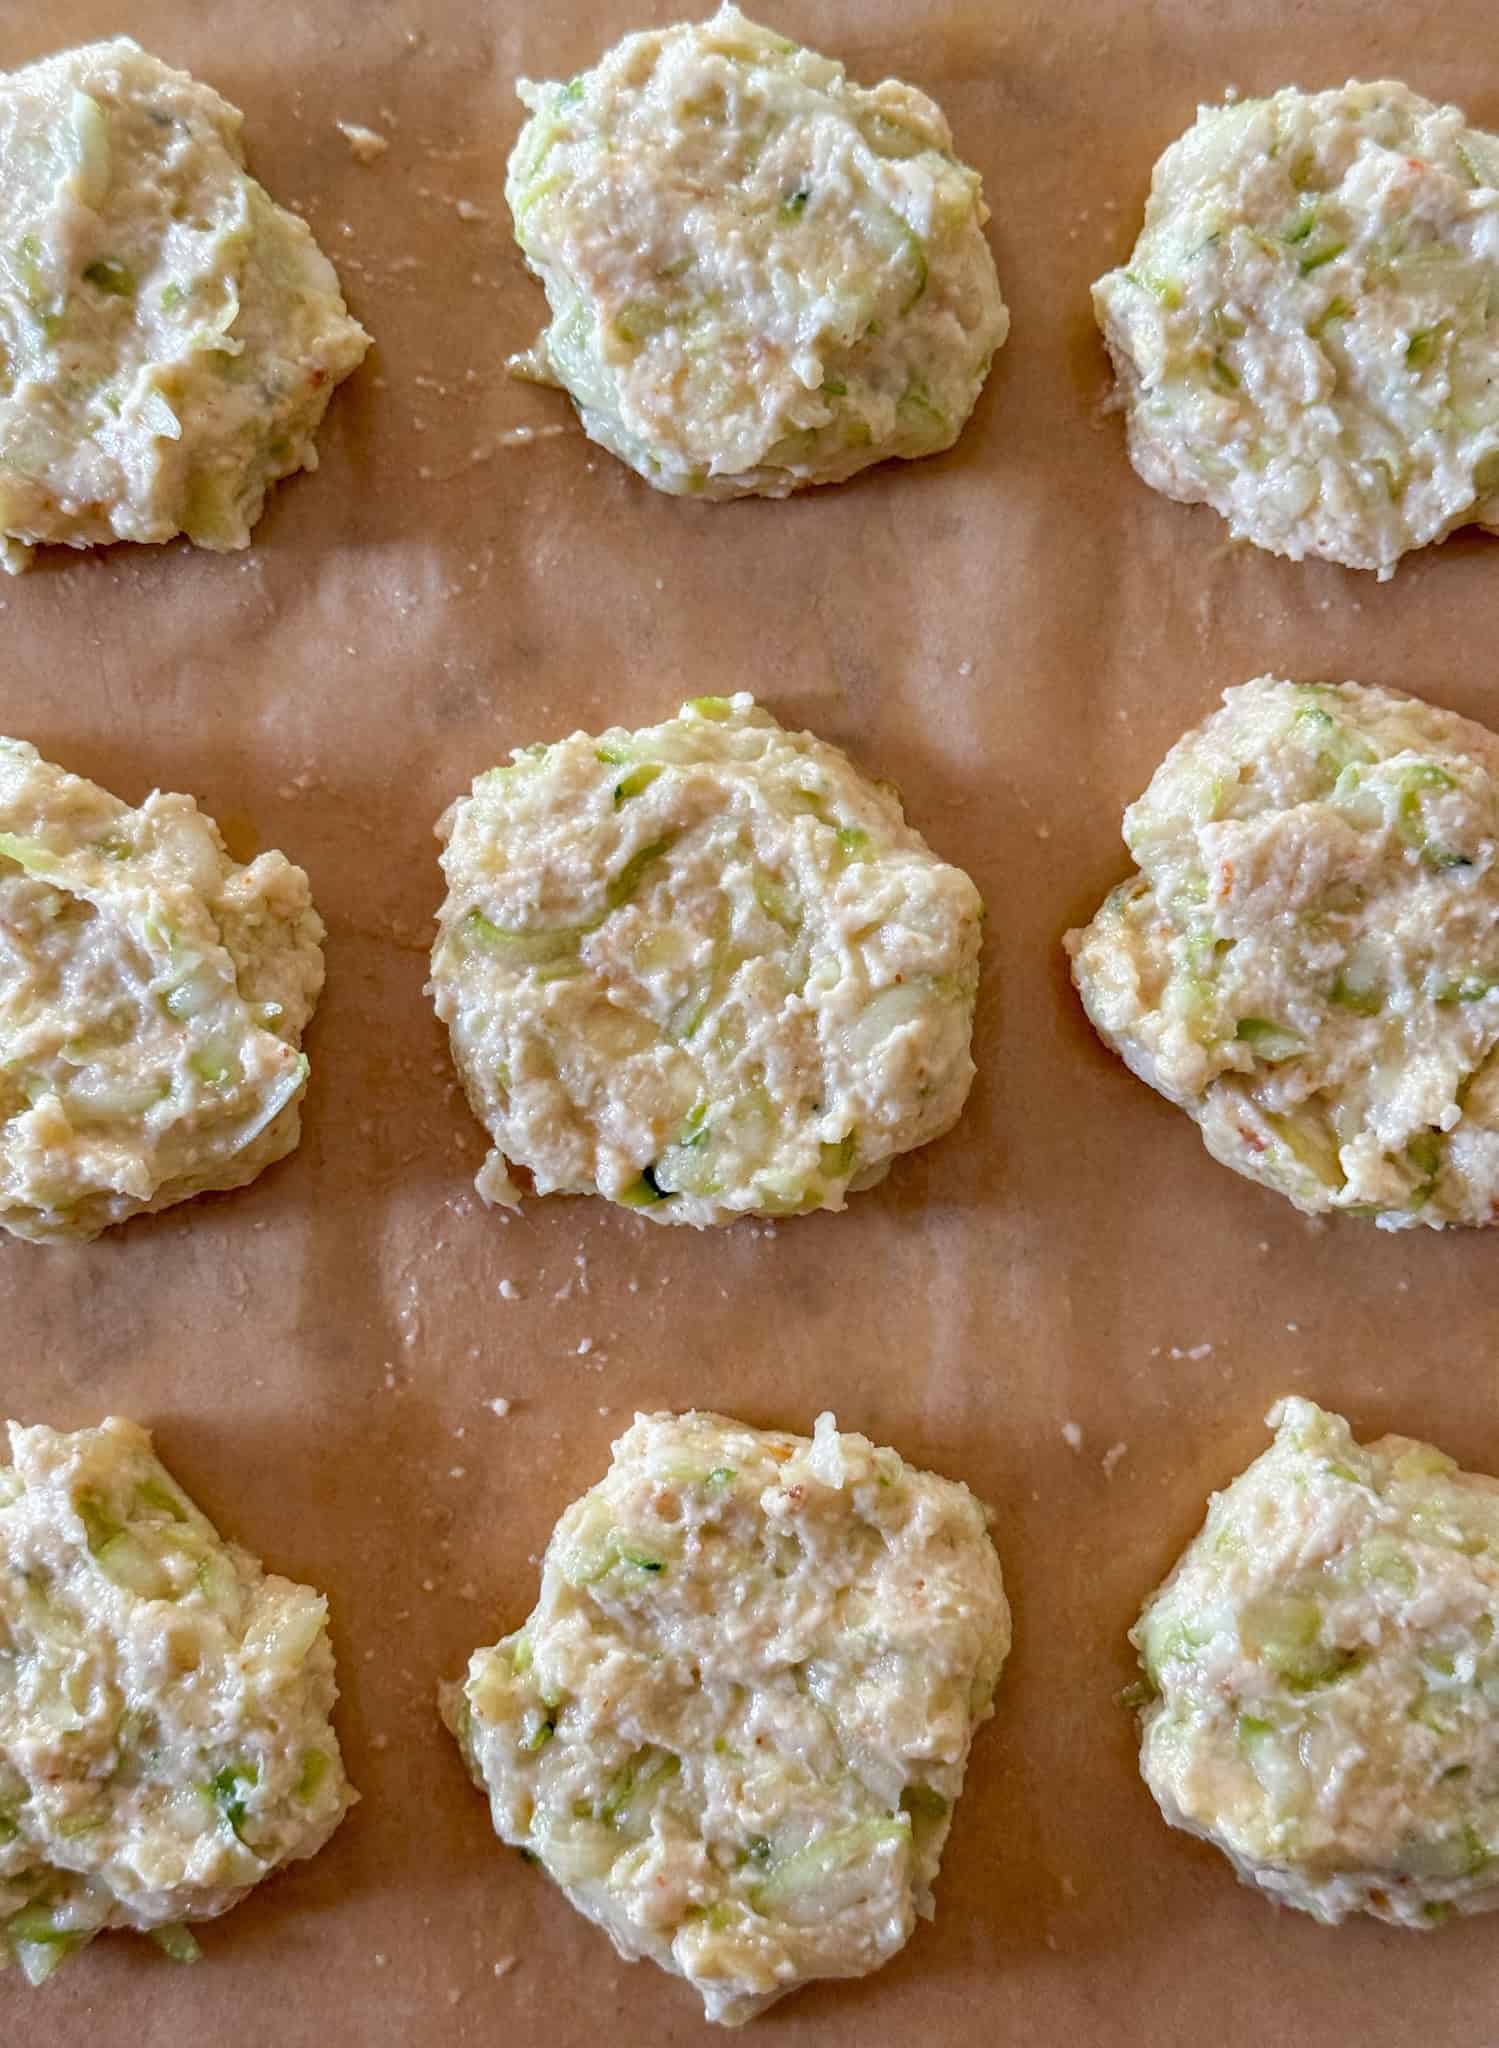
(705, 969)
(1307, 959)
(1307, 333)
(760, 275)
(165, 1740)
(736, 1726)
(1322, 1674)
(153, 995)
(169, 336)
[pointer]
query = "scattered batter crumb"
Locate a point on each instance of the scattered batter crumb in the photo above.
(520, 437)
(366, 145)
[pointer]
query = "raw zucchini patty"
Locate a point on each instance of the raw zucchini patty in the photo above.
(164, 1733)
(1323, 1677)
(705, 969)
(153, 994)
(760, 275)
(736, 1725)
(1307, 333)
(169, 336)
(1307, 959)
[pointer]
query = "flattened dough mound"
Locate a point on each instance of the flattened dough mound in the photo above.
(169, 337)
(760, 276)
(1308, 958)
(164, 1705)
(1307, 333)
(1324, 1677)
(153, 995)
(736, 1725)
(704, 969)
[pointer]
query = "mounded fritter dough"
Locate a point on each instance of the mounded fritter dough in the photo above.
(736, 1725)
(705, 969)
(169, 337)
(1324, 1677)
(1308, 958)
(153, 994)
(760, 276)
(164, 1733)
(1307, 333)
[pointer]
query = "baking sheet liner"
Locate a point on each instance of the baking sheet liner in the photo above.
(1014, 633)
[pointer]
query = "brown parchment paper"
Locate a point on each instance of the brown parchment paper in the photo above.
(1015, 633)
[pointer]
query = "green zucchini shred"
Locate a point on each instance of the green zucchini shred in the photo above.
(226, 1792)
(177, 1942)
(923, 1802)
(111, 277)
(645, 1192)
(824, 1856)
(628, 880)
(638, 780)
(315, 1767)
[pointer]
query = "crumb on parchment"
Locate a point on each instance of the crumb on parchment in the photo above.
(366, 145)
